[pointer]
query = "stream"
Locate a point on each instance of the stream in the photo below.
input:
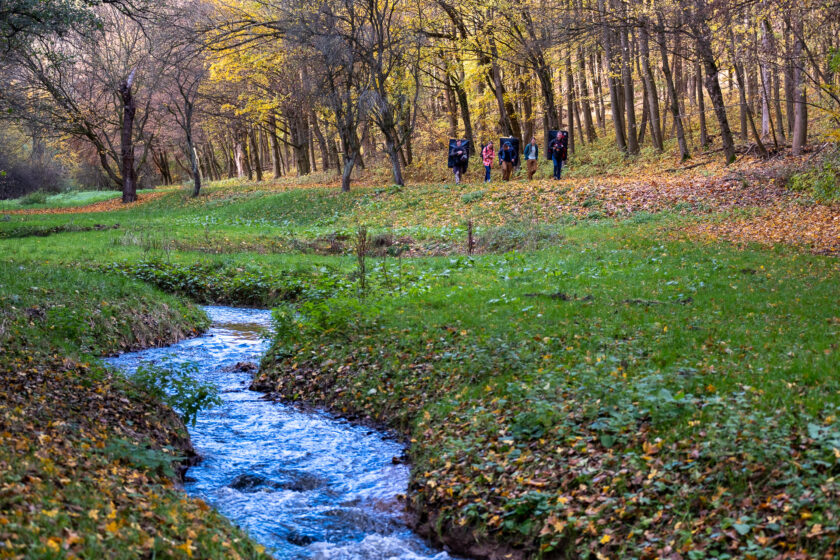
(304, 484)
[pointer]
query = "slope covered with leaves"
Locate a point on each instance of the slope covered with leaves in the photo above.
(87, 461)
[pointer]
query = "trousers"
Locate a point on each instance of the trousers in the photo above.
(532, 168)
(507, 169)
(558, 166)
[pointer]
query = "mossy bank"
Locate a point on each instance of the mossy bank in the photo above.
(88, 465)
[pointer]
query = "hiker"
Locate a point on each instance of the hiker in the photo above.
(458, 157)
(531, 153)
(487, 159)
(559, 152)
(507, 157)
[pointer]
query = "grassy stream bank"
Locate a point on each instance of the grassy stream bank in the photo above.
(87, 465)
(603, 378)
(619, 396)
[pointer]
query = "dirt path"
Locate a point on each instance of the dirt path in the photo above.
(103, 206)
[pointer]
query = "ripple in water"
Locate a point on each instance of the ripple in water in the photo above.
(304, 484)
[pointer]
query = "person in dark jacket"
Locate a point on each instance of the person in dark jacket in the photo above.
(507, 157)
(559, 152)
(531, 153)
(458, 157)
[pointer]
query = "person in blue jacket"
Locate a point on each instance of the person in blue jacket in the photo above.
(531, 153)
(458, 158)
(507, 157)
(559, 152)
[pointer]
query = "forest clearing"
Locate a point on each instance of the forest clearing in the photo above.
(387, 280)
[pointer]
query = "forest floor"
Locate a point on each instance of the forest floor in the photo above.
(608, 373)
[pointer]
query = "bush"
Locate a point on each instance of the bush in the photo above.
(517, 236)
(35, 197)
(177, 387)
(472, 197)
(22, 173)
(822, 181)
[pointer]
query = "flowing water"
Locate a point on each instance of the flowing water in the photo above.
(304, 484)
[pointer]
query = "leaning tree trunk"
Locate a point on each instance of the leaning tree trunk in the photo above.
(463, 103)
(650, 89)
(615, 106)
(451, 105)
(552, 121)
(703, 37)
(129, 175)
(672, 93)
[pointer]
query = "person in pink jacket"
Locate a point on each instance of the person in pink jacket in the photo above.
(487, 155)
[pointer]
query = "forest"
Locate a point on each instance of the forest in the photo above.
(419, 279)
(122, 94)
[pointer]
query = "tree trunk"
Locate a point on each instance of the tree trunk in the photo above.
(129, 174)
(800, 109)
(570, 101)
(672, 92)
(789, 89)
(300, 143)
(194, 170)
(552, 121)
(451, 107)
(463, 103)
(597, 89)
(507, 113)
(766, 80)
(745, 106)
(701, 108)
(322, 142)
(629, 94)
(703, 35)
(650, 88)
(591, 133)
(615, 107)
(254, 149)
(393, 155)
(524, 88)
(351, 147)
(276, 165)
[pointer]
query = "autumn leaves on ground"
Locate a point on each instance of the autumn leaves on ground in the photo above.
(632, 366)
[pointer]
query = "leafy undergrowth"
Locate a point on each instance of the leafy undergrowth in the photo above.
(224, 283)
(627, 400)
(821, 180)
(815, 228)
(87, 460)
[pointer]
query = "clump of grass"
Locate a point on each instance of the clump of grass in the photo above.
(470, 197)
(35, 197)
(822, 181)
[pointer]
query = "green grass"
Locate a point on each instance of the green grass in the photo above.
(586, 384)
(62, 200)
(697, 367)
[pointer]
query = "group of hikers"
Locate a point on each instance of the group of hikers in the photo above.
(461, 150)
